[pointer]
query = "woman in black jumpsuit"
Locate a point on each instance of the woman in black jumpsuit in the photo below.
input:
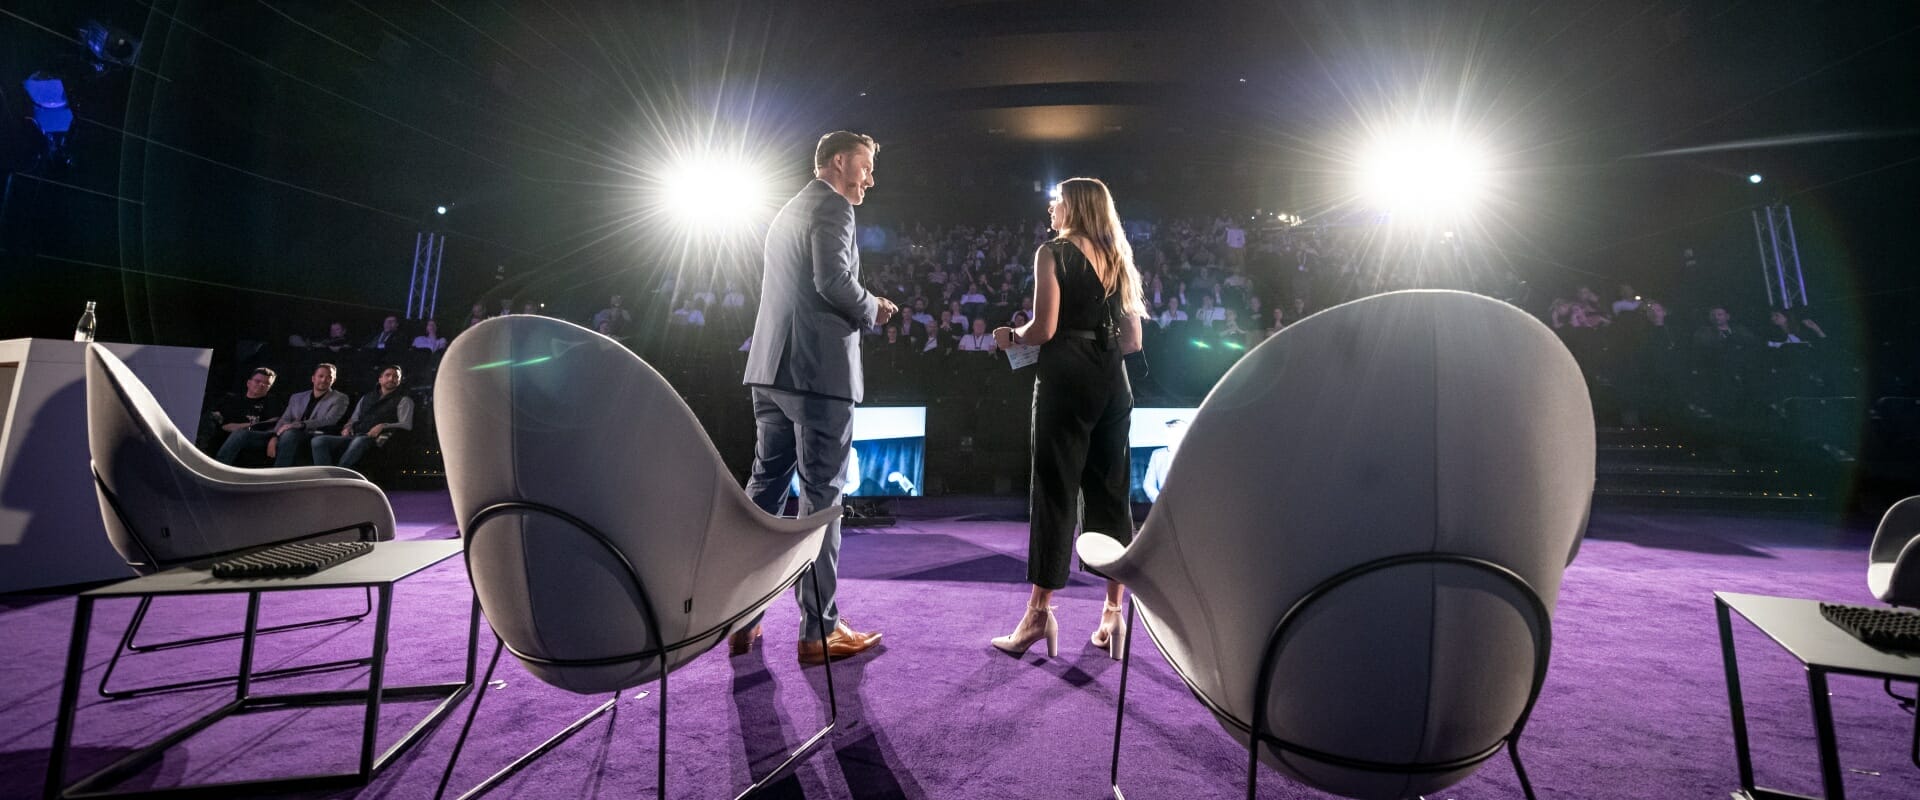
(1087, 310)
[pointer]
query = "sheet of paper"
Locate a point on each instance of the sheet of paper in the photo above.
(1023, 355)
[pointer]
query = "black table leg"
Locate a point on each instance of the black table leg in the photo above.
(376, 680)
(1743, 757)
(69, 698)
(1830, 778)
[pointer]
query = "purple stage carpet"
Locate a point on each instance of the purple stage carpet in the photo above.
(1634, 707)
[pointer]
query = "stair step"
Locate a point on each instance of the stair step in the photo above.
(1687, 470)
(1727, 494)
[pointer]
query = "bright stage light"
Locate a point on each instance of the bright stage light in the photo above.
(1754, 178)
(1421, 175)
(714, 192)
(440, 210)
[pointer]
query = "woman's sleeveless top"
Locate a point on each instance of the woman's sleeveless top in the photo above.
(1085, 304)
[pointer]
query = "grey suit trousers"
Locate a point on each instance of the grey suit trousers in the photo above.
(810, 433)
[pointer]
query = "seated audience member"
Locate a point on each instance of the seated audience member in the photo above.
(388, 339)
(1579, 317)
(1585, 297)
(306, 414)
(1278, 321)
(1656, 358)
(379, 416)
(733, 298)
(689, 315)
(251, 410)
(1721, 336)
(942, 336)
(920, 314)
(1173, 313)
(1782, 332)
(1208, 314)
(979, 341)
(958, 318)
(615, 316)
(1628, 300)
(1230, 327)
(430, 341)
(506, 308)
(530, 308)
(475, 316)
(974, 301)
(336, 338)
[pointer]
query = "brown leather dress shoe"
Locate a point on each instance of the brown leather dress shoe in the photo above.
(844, 641)
(740, 642)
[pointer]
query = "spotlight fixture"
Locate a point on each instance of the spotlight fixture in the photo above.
(109, 45)
(442, 210)
(1754, 178)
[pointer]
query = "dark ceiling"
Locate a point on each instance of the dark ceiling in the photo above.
(309, 137)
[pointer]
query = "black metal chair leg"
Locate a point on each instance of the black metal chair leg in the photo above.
(519, 763)
(1120, 716)
(128, 645)
(660, 781)
(1513, 752)
(660, 790)
(1253, 757)
(461, 742)
(806, 748)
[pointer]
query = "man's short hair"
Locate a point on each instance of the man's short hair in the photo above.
(395, 367)
(838, 142)
(333, 368)
(271, 377)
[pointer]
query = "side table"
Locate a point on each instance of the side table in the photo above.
(389, 563)
(1820, 646)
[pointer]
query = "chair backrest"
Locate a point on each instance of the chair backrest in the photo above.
(539, 411)
(142, 464)
(1893, 563)
(1409, 423)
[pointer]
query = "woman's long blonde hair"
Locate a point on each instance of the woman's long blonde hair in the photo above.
(1091, 215)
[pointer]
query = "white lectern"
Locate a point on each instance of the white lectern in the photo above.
(50, 528)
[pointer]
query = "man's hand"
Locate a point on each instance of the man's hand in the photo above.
(885, 311)
(233, 426)
(374, 432)
(273, 447)
(347, 429)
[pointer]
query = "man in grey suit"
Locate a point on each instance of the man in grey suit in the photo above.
(804, 367)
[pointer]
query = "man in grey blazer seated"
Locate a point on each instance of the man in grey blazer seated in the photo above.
(804, 367)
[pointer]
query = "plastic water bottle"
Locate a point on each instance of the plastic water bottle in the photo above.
(83, 332)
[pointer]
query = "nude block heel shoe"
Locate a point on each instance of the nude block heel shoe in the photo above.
(1036, 625)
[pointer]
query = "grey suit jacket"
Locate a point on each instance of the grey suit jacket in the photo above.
(328, 414)
(806, 337)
